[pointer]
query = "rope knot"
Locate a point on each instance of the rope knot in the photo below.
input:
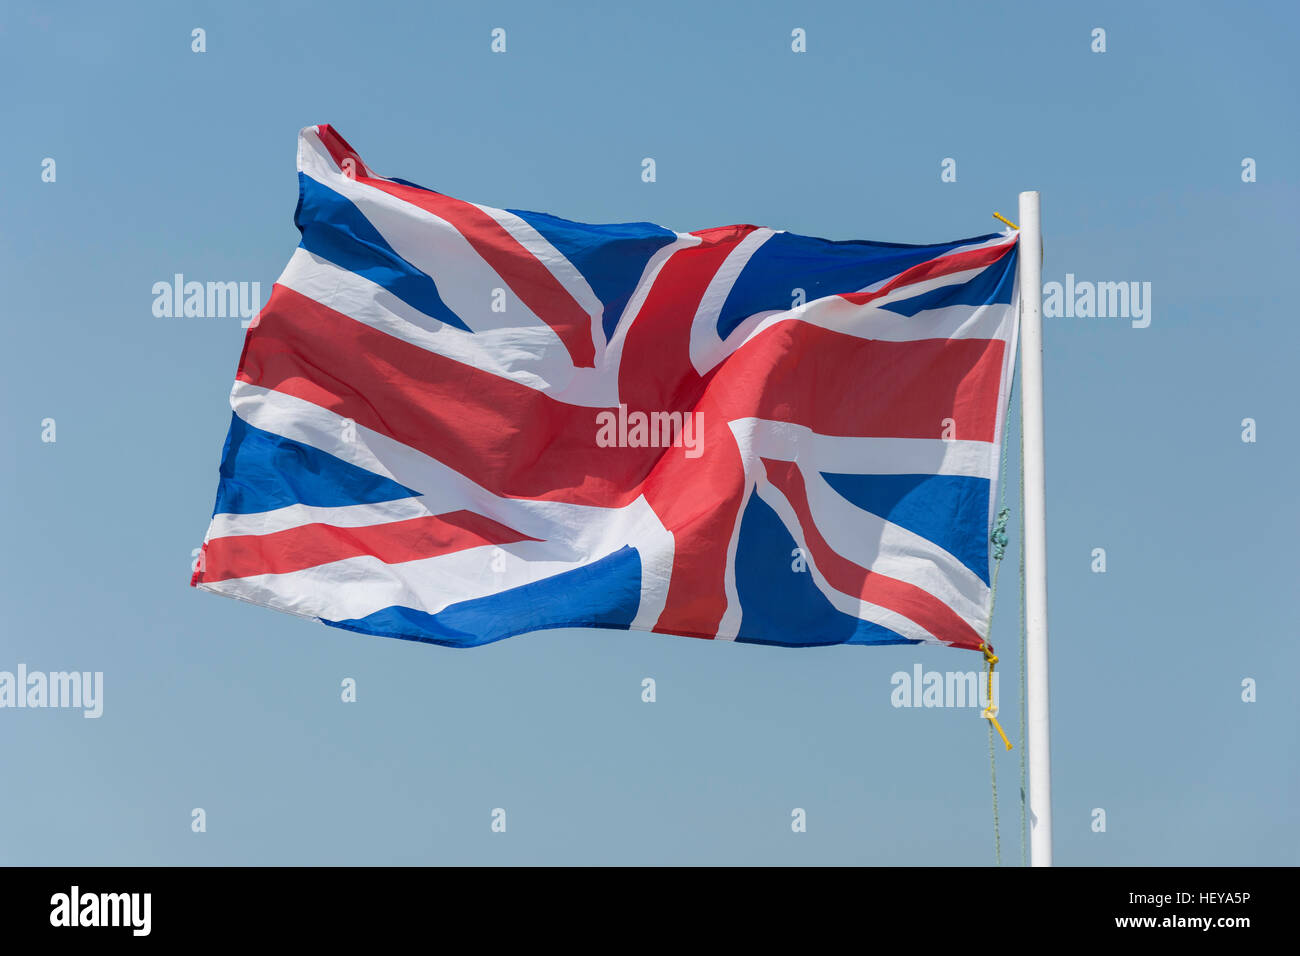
(999, 535)
(991, 712)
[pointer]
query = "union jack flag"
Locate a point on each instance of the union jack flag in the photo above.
(454, 423)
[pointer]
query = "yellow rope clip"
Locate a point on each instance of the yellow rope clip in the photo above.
(998, 215)
(991, 711)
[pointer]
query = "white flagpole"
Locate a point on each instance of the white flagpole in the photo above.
(1038, 729)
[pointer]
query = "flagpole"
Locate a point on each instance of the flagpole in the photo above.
(1038, 746)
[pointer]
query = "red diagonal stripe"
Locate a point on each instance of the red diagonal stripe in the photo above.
(311, 545)
(340, 149)
(844, 575)
(527, 278)
(942, 266)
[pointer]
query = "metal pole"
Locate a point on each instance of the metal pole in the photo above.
(1038, 730)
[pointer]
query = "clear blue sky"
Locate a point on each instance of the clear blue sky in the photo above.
(170, 161)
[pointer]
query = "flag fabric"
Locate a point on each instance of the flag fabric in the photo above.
(454, 423)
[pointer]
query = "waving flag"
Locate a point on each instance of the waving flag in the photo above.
(454, 423)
